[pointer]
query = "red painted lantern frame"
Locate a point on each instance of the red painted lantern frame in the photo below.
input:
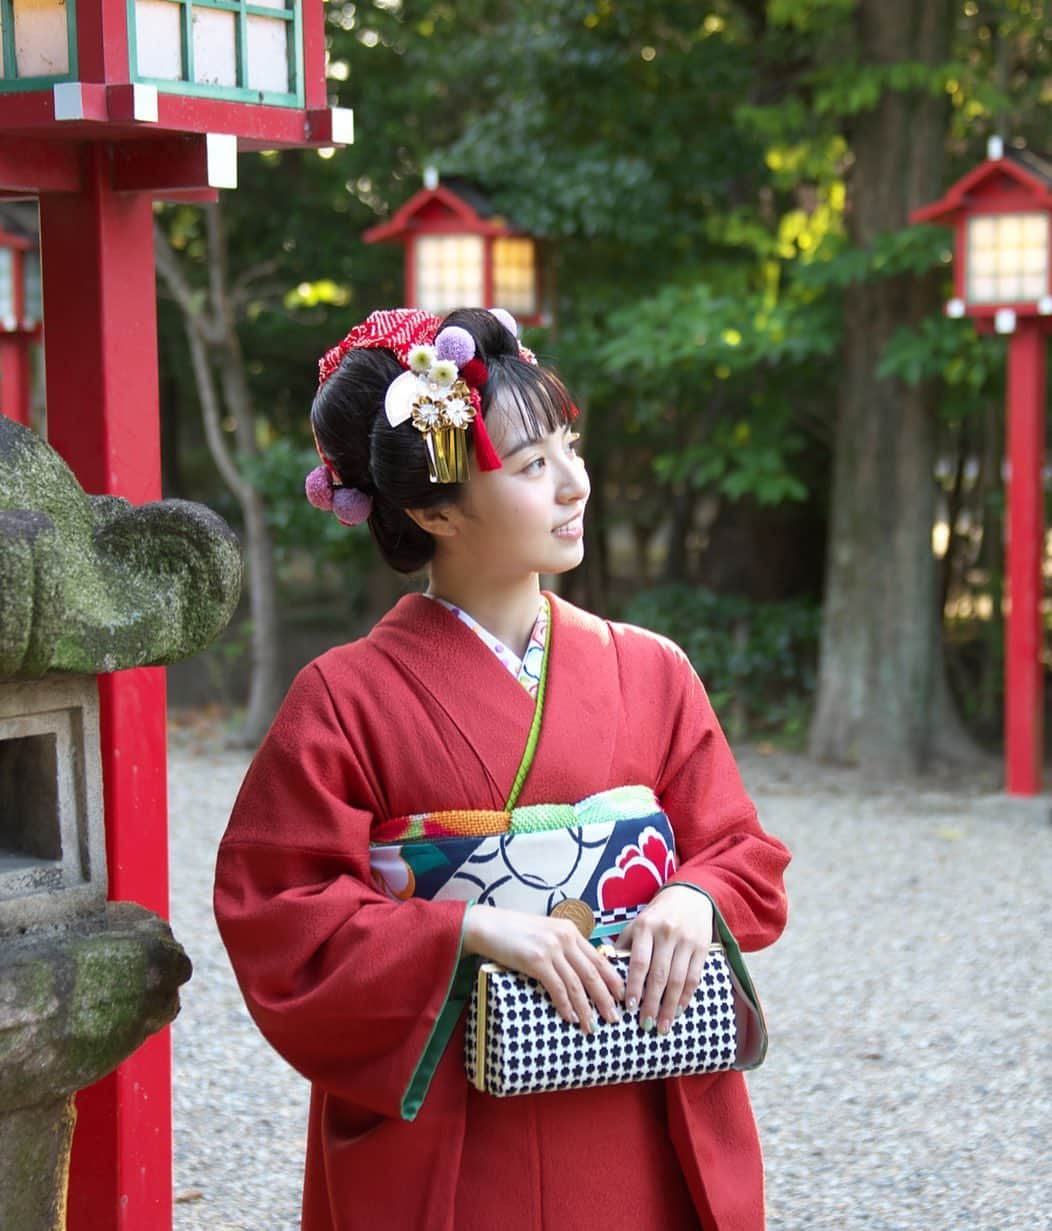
(1016, 183)
(448, 209)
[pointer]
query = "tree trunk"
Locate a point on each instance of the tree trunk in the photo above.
(219, 374)
(880, 648)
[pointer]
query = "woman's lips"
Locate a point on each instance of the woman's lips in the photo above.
(572, 529)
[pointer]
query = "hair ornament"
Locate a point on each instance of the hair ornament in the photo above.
(349, 505)
(439, 391)
(396, 329)
(455, 343)
(512, 326)
(441, 406)
(507, 320)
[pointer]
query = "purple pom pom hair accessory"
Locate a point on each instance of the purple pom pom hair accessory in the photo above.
(456, 344)
(319, 488)
(507, 320)
(349, 505)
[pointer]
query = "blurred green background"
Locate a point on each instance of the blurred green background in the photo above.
(796, 457)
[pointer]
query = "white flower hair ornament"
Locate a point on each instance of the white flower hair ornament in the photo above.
(439, 394)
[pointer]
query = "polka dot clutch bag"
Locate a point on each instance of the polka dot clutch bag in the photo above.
(516, 1042)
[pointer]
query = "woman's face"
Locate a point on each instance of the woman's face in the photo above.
(528, 516)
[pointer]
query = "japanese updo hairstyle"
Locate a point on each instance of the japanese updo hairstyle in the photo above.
(389, 464)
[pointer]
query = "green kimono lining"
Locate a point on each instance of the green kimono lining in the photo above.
(458, 994)
(737, 965)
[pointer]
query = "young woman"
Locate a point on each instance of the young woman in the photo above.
(386, 835)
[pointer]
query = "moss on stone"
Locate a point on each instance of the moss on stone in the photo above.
(95, 584)
(34, 1163)
(76, 1000)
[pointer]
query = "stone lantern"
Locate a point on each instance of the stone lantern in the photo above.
(88, 585)
(107, 106)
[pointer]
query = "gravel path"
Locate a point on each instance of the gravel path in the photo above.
(908, 1085)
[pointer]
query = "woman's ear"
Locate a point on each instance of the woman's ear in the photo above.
(441, 520)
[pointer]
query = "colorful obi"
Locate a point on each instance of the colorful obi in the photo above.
(612, 851)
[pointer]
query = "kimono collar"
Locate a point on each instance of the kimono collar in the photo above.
(494, 712)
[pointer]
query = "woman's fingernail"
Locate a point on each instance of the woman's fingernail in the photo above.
(679, 1009)
(648, 1023)
(631, 1003)
(574, 1018)
(663, 1026)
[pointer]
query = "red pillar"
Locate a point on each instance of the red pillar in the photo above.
(1024, 691)
(103, 418)
(15, 377)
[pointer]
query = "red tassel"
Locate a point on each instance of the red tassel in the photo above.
(485, 454)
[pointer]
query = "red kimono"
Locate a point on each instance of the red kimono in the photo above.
(349, 986)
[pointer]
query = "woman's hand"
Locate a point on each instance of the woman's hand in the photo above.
(669, 940)
(573, 973)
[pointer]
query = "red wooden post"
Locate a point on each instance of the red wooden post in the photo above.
(99, 296)
(14, 377)
(1024, 691)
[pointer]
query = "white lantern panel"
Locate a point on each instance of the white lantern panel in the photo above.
(7, 288)
(514, 275)
(268, 54)
(1008, 258)
(1032, 260)
(984, 261)
(159, 39)
(448, 272)
(1035, 229)
(215, 46)
(270, 4)
(41, 38)
(1009, 232)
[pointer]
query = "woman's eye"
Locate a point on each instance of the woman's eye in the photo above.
(534, 467)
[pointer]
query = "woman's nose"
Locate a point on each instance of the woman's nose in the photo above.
(575, 483)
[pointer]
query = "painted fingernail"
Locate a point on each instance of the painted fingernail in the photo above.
(663, 1026)
(574, 1018)
(648, 1023)
(679, 1010)
(631, 1003)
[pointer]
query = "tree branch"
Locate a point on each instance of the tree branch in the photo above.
(179, 288)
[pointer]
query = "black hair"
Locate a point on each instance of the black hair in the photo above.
(390, 463)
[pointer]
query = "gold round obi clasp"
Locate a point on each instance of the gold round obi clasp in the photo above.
(579, 913)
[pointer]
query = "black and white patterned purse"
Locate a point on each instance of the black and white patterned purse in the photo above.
(516, 1042)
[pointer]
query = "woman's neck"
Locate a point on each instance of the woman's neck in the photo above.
(509, 612)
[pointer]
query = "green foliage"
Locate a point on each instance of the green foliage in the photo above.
(296, 525)
(689, 167)
(758, 660)
(946, 350)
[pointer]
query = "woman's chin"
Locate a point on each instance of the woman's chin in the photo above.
(569, 558)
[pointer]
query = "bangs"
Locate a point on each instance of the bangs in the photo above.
(538, 397)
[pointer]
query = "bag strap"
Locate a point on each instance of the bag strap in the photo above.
(535, 727)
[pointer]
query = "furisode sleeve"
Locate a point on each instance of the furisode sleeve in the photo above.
(723, 850)
(357, 992)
